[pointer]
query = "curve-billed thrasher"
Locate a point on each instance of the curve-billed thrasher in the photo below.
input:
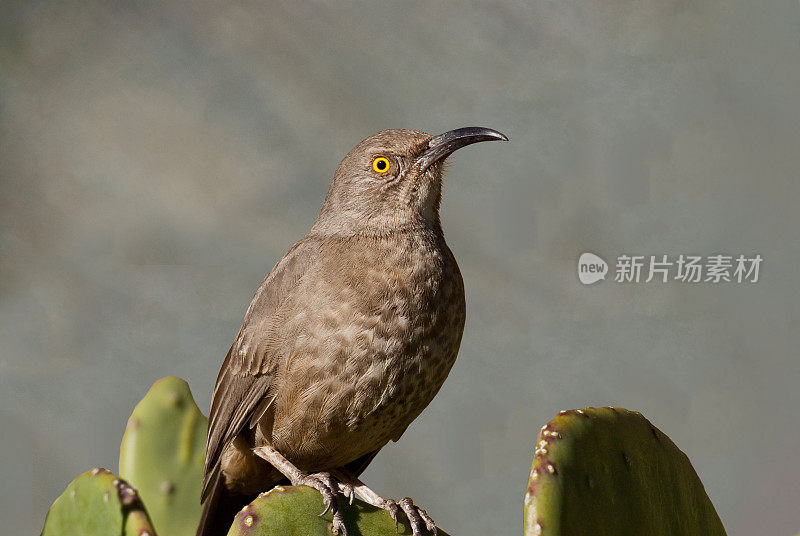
(348, 338)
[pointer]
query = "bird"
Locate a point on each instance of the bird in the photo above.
(347, 339)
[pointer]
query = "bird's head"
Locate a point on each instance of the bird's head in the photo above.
(392, 180)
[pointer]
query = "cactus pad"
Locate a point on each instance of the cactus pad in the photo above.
(609, 471)
(162, 455)
(294, 511)
(97, 503)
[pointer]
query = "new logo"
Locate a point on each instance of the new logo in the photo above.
(591, 268)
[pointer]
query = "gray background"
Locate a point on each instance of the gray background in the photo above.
(157, 158)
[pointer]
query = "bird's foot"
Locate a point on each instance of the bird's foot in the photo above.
(330, 488)
(417, 517)
(326, 484)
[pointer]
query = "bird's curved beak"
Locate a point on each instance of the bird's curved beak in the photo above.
(444, 145)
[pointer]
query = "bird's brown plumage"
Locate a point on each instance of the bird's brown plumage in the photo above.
(349, 337)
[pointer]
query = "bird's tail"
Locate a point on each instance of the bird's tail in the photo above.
(219, 509)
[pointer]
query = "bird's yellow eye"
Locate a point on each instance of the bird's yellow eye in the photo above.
(381, 164)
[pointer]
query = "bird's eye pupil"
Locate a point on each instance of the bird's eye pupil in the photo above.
(381, 164)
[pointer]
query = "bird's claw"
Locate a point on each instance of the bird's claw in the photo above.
(393, 509)
(329, 487)
(348, 491)
(417, 517)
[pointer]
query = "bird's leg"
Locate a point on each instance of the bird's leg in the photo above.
(417, 517)
(326, 484)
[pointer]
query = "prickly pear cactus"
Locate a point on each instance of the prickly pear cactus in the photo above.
(98, 503)
(608, 471)
(162, 455)
(294, 511)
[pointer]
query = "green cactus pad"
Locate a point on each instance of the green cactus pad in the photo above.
(609, 471)
(294, 511)
(162, 455)
(98, 503)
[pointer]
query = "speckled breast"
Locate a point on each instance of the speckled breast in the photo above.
(385, 335)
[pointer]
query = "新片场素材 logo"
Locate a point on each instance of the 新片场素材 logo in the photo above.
(716, 268)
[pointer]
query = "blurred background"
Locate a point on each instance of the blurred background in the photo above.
(158, 158)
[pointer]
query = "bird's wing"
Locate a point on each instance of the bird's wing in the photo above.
(241, 394)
